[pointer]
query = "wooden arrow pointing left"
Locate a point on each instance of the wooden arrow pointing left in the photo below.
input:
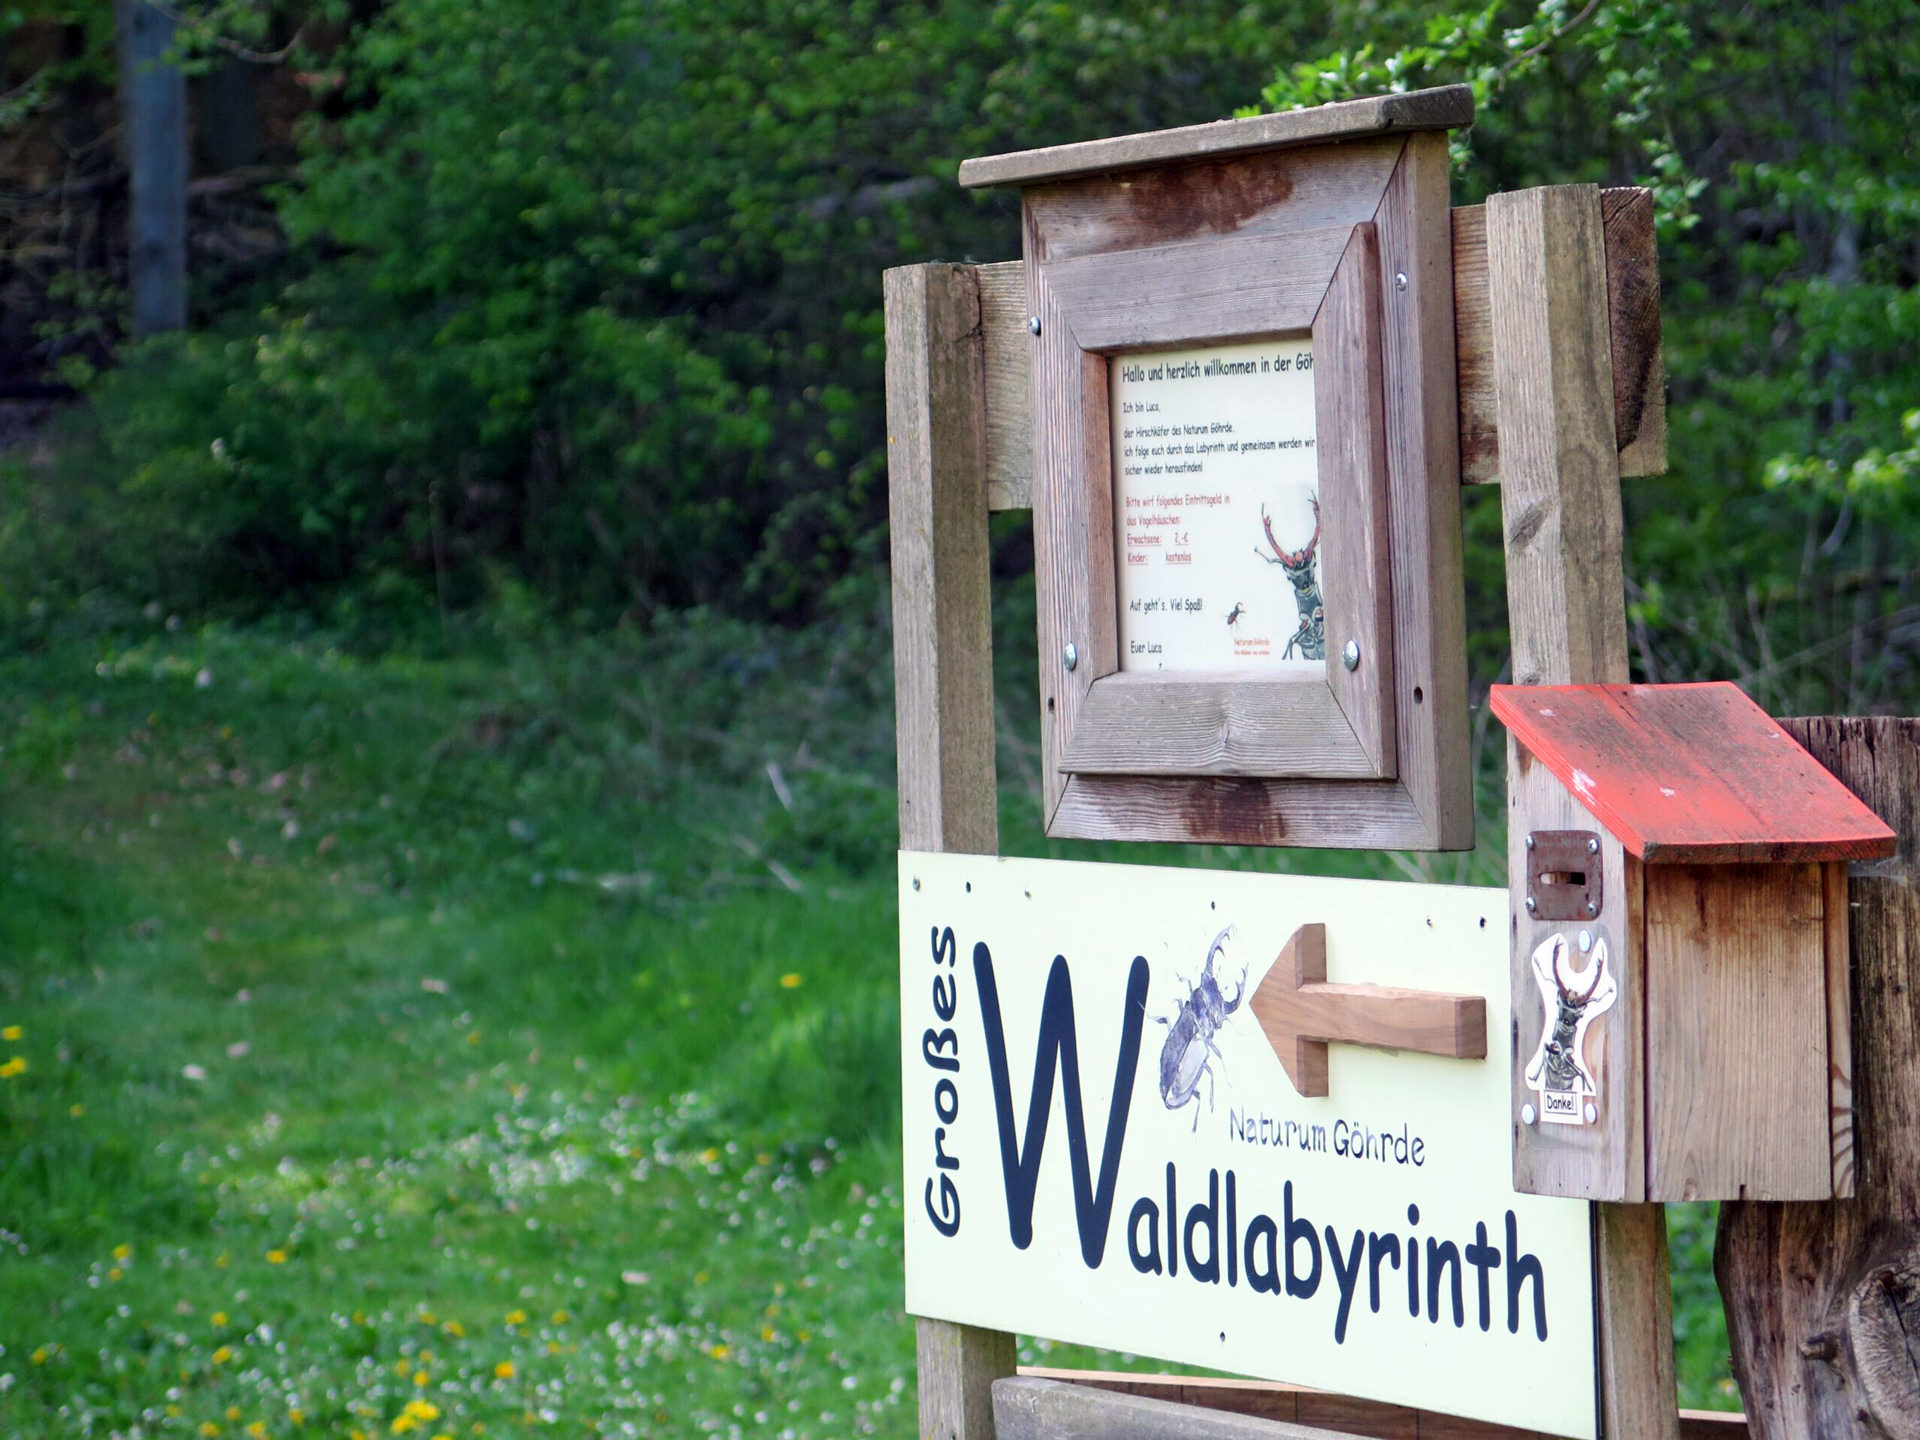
(1300, 1013)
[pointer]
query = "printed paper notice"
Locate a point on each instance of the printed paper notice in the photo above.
(1217, 509)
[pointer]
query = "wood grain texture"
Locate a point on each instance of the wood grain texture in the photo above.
(1356, 580)
(1691, 774)
(1633, 322)
(1301, 1014)
(936, 484)
(1144, 722)
(1373, 815)
(1442, 108)
(1025, 1408)
(1822, 1301)
(1423, 502)
(1559, 492)
(1371, 1419)
(943, 677)
(1257, 195)
(1633, 307)
(1605, 1160)
(1838, 965)
(1009, 371)
(1737, 1075)
(1221, 288)
(1560, 507)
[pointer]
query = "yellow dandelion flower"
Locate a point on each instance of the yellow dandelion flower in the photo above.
(209, 1429)
(553, 1347)
(560, 1317)
(359, 1317)
(173, 1412)
(219, 1318)
(427, 1317)
(223, 1354)
(709, 1155)
(443, 1436)
(453, 1328)
(473, 1037)
(220, 1261)
(504, 1370)
(258, 1430)
(76, 1111)
(39, 1357)
(10, 1032)
(402, 1423)
(423, 1410)
(516, 1317)
(116, 1273)
(123, 1252)
(276, 1257)
(789, 981)
(16, 1066)
(803, 1336)
(720, 1352)
(401, 1367)
(233, 1412)
(767, 1333)
(297, 1415)
(420, 1378)
(356, 1435)
(763, 1158)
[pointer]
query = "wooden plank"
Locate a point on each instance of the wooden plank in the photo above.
(1737, 1078)
(1356, 581)
(1691, 774)
(1560, 506)
(1822, 1300)
(1423, 475)
(943, 676)
(1633, 305)
(1144, 722)
(1221, 288)
(1262, 195)
(1301, 1013)
(1366, 1418)
(1839, 1001)
(1031, 1409)
(1442, 108)
(1375, 815)
(1009, 367)
(1605, 1160)
(1633, 291)
(1559, 464)
(936, 472)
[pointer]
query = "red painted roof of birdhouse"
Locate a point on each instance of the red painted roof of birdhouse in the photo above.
(1690, 774)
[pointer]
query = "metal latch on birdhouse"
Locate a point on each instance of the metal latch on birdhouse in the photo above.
(1563, 875)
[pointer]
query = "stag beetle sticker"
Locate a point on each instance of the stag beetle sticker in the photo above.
(1188, 1056)
(1572, 998)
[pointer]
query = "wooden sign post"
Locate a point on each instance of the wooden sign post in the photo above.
(1531, 328)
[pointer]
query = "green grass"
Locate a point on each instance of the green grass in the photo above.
(499, 1043)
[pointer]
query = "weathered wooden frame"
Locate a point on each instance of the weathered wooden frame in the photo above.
(1097, 308)
(1351, 243)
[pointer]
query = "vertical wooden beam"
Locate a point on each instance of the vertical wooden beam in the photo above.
(1823, 1301)
(1560, 500)
(943, 675)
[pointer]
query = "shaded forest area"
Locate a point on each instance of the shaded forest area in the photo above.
(580, 305)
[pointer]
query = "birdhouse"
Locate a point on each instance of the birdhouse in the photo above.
(1678, 879)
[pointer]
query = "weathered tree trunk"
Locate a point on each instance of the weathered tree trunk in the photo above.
(153, 109)
(1823, 1301)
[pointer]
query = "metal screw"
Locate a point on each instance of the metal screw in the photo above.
(1593, 908)
(1033, 324)
(1527, 1116)
(1586, 941)
(1350, 657)
(1592, 1114)
(1532, 904)
(916, 882)
(1593, 847)
(1399, 279)
(1071, 655)
(1529, 842)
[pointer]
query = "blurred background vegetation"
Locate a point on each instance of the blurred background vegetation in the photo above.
(462, 643)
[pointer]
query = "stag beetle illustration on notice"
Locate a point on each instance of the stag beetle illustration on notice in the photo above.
(1185, 1057)
(1572, 1002)
(1311, 638)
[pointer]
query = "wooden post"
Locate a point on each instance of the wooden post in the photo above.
(1560, 504)
(943, 675)
(153, 104)
(1823, 1300)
